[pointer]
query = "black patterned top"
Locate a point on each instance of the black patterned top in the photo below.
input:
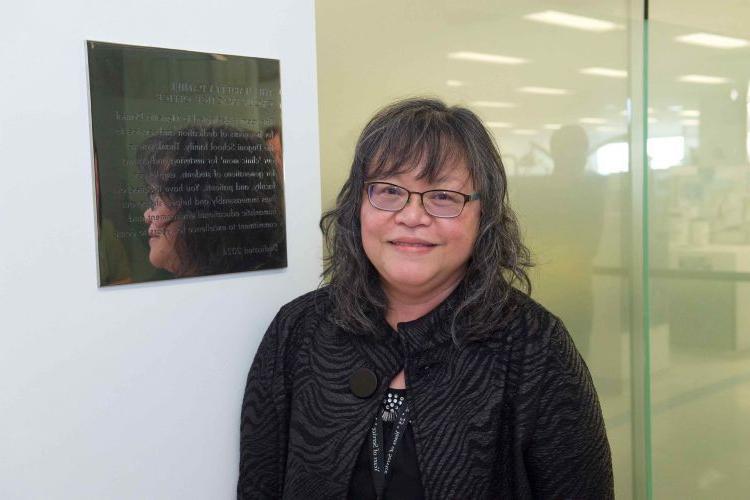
(514, 415)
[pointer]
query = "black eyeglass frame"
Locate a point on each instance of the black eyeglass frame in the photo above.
(467, 198)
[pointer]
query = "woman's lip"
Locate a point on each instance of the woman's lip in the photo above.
(412, 246)
(412, 242)
(406, 238)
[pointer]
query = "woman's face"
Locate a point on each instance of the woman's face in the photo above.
(414, 252)
(162, 235)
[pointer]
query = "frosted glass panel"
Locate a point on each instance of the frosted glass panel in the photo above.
(700, 251)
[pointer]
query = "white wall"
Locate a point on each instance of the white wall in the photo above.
(131, 392)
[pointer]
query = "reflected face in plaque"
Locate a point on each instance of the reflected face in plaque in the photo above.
(215, 204)
(163, 233)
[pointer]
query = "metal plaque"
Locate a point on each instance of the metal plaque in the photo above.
(188, 163)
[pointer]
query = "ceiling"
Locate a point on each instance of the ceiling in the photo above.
(372, 52)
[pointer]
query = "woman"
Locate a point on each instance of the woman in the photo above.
(488, 396)
(215, 205)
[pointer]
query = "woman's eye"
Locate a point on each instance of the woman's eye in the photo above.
(387, 190)
(443, 196)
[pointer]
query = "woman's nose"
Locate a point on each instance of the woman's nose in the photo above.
(147, 215)
(414, 214)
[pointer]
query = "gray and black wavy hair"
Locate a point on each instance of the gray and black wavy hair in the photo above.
(428, 133)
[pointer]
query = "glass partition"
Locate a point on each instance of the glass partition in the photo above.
(699, 221)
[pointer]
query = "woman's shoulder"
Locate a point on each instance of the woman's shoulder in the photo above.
(525, 317)
(538, 338)
(306, 312)
(296, 321)
(317, 301)
(529, 330)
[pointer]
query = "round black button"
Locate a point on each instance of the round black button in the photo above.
(363, 383)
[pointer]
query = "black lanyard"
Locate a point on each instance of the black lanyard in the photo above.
(381, 460)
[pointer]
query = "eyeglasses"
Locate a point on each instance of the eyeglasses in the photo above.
(436, 202)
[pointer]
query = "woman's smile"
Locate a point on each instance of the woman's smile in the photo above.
(412, 245)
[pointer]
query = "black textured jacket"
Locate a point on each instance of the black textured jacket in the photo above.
(514, 416)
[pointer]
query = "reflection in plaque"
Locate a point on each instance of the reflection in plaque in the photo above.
(188, 163)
